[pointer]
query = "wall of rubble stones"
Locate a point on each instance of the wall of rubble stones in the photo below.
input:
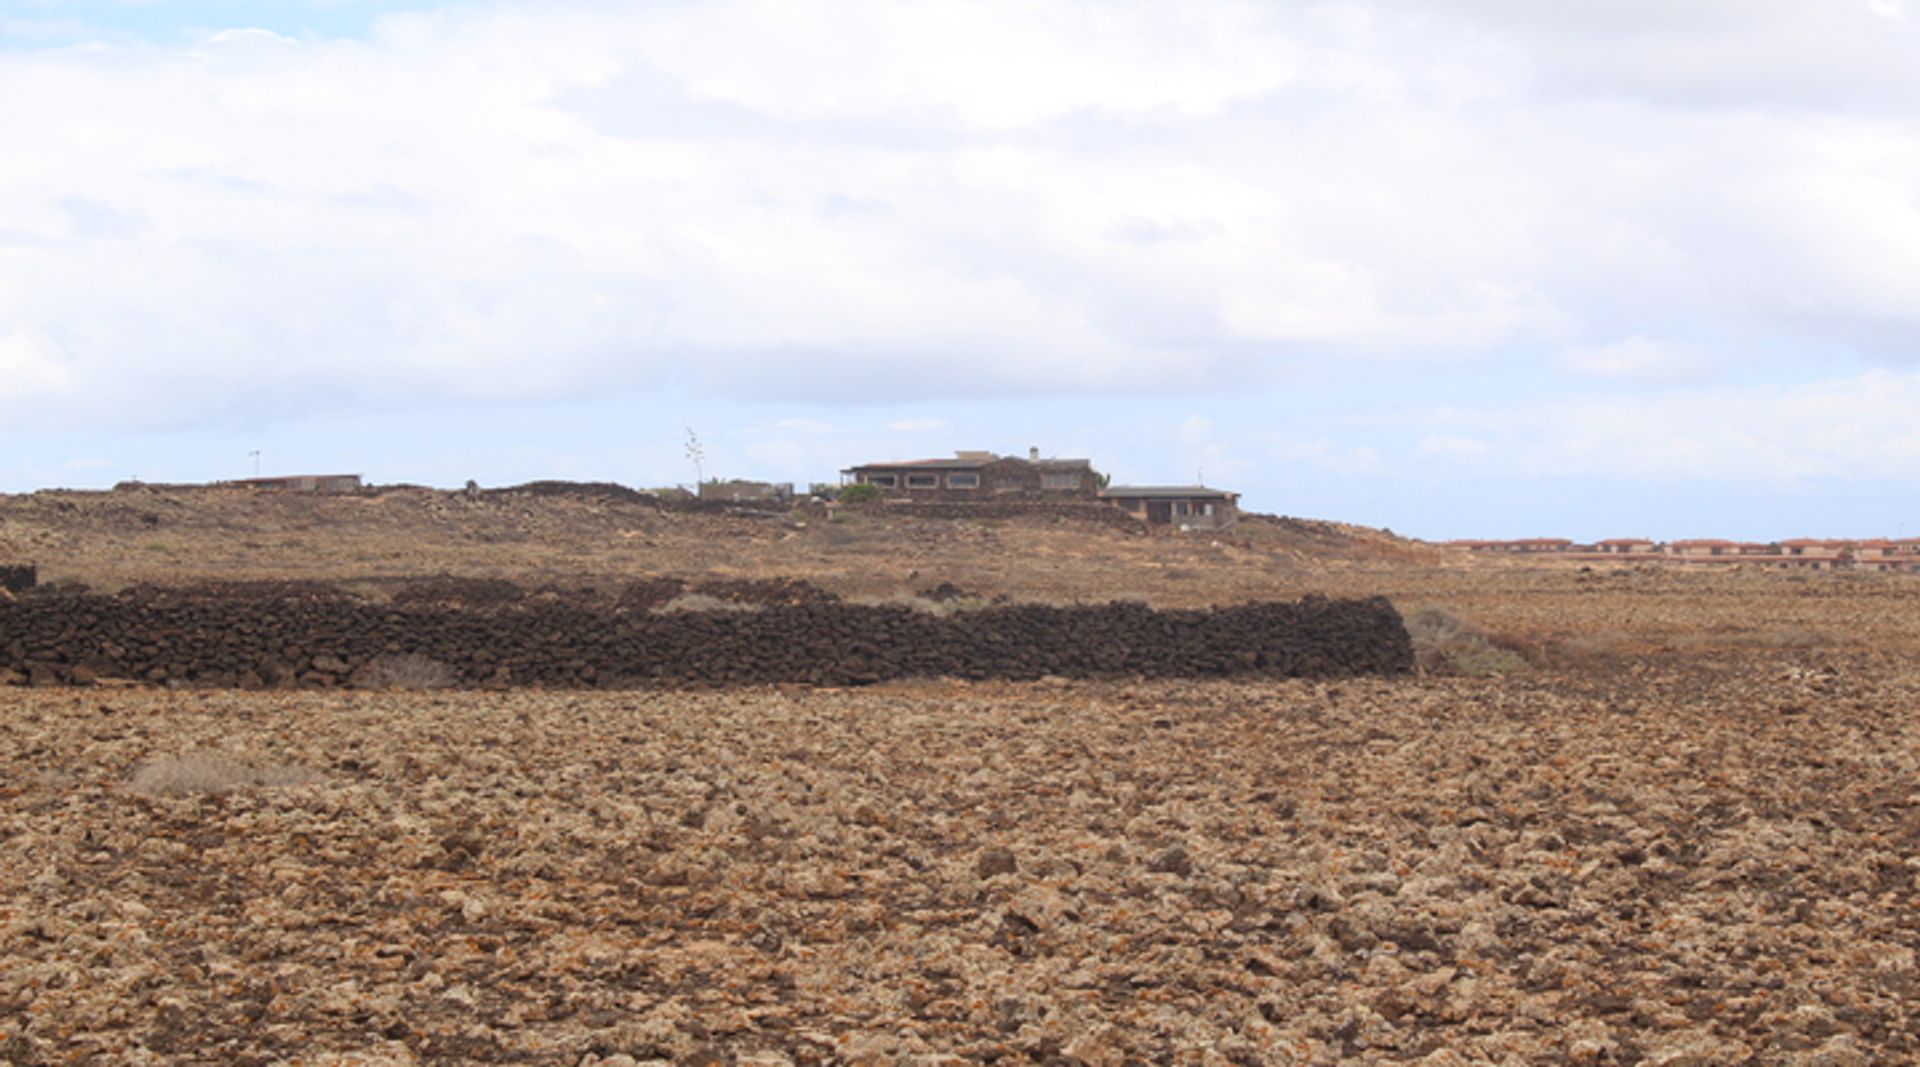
(18, 577)
(306, 638)
(1102, 513)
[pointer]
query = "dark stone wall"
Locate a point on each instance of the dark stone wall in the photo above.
(319, 640)
(18, 578)
(1060, 511)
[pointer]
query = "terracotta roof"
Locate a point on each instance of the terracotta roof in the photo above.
(1627, 541)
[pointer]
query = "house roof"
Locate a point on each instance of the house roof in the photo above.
(972, 463)
(1189, 491)
(278, 478)
(1627, 541)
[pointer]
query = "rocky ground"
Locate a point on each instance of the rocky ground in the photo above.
(1691, 860)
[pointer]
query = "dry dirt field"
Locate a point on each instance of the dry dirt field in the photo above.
(1647, 817)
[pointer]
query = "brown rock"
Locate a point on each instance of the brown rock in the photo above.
(995, 861)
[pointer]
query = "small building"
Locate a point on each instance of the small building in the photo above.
(972, 476)
(1194, 507)
(741, 491)
(1875, 549)
(1528, 545)
(1627, 546)
(1814, 546)
(1702, 548)
(302, 483)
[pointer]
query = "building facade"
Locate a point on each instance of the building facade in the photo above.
(1193, 507)
(973, 476)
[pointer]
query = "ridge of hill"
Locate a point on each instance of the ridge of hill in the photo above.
(554, 531)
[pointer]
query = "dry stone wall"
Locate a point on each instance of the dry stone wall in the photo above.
(317, 640)
(18, 578)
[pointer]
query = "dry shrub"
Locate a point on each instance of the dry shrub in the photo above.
(211, 772)
(699, 602)
(1444, 643)
(1593, 648)
(409, 670)
(939, 608)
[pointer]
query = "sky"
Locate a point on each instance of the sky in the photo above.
(1483, 268)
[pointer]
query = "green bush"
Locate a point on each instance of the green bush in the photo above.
(860, 493)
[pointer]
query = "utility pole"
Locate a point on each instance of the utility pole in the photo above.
(255, 454)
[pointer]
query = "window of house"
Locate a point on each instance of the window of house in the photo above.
(884, 481)
(963, 481)
(1206, 509)
(1182, 508)
(923, 481)
(1060, 481)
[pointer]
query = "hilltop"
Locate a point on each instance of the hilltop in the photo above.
(560, 532)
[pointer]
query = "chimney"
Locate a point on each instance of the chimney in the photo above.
(1033, 454)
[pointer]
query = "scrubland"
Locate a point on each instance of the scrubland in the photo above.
(1619, 817)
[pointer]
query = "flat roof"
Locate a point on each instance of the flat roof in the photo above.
(1165, 490)
(966, 464)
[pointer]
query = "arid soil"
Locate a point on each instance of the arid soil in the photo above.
(1676, 822)
(110, 540)
(1692, 864)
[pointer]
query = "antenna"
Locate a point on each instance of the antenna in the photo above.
(256, 462)
(699, 457)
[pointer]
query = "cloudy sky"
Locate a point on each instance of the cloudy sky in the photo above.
(1472, 268)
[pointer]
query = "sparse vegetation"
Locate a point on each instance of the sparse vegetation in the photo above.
(211, 772)
(408, 670)
(860, 493)
(936, 606)
(1443, 643)
(698, 602)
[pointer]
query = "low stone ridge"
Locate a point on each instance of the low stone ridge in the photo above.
(229, 640)
(1058, 511)
(18, 578)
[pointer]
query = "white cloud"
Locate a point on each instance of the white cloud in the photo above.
(1640, 358)
(1860, 428)
(1326, 453)
(1453, 444)
(806, 426)
(870, 201)
(1211, 455)
(32, 368)
(920, 425)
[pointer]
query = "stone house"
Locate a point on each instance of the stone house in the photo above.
(977, 476)
(1192, 507)
(302, 483)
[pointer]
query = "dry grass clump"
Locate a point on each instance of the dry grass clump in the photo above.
(1444, 643)
(409, 670)
(211, 772)
(702, 602)
(927, 605)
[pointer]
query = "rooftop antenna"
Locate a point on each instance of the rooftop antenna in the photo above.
(255, 454)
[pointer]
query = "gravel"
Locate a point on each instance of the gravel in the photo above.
(1702, 862)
